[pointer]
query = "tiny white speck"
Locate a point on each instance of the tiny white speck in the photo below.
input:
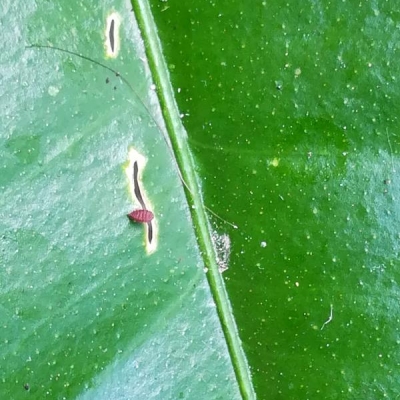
(53, 91)
(274, 162)
(153, 86)
(263, 244)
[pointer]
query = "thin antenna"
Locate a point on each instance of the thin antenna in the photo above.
(123, 79)
(92, 60)
(216, 215)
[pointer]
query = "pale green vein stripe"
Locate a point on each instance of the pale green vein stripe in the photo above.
(177, 135)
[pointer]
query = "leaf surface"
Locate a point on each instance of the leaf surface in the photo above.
(86, 312)
(292, 114)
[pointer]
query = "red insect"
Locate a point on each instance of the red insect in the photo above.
(143, 216)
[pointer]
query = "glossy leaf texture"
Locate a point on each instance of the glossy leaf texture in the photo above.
(85, 312)
(292, 114)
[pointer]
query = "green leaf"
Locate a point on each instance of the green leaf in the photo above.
(293, 115)
(87, 312)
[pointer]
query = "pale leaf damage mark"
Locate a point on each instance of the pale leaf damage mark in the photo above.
(133, 171)
(112, 40)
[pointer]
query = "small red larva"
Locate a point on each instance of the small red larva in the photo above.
(141, 216)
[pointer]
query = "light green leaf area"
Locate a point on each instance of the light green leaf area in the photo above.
(85, 311)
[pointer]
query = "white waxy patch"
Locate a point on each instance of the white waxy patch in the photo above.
(222, 245)
(112, 42)
(135, 157)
